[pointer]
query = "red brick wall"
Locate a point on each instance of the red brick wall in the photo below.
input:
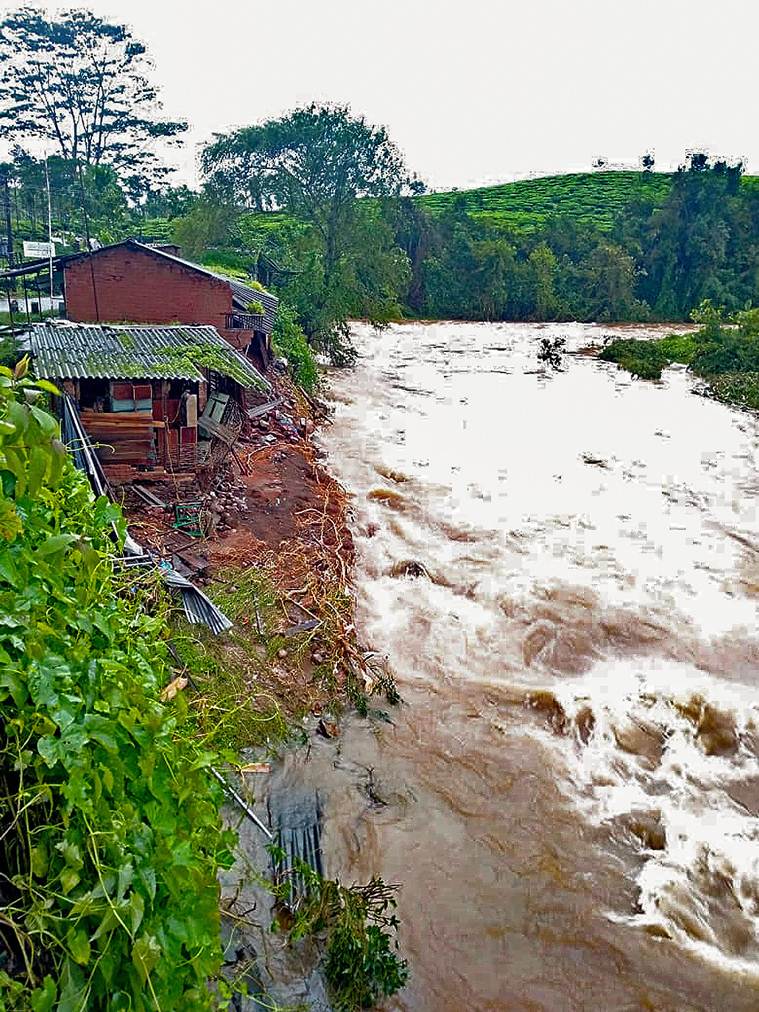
(137, 287)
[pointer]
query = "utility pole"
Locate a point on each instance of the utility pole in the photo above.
(89, 242)
(49, 234)
(7, 211)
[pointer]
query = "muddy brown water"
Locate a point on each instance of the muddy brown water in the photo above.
(565, 584)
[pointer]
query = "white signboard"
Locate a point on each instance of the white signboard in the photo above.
(37, 250)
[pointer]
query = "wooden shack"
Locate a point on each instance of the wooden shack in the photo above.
(141, 390)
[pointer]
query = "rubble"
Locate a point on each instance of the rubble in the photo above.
(274, 508)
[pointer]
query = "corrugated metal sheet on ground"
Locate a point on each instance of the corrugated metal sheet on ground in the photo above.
(103, 351)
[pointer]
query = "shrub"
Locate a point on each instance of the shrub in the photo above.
(358, 925)
(644, 359)
(112, 841)
(8, 350)
(724, 353)
(290, 342)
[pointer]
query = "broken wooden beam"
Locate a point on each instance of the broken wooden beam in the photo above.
(146, 495)
(263, 409)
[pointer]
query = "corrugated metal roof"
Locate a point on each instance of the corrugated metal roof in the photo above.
(128, 351)
(198, 608)
(243, 295)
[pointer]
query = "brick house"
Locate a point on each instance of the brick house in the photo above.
(132, 282)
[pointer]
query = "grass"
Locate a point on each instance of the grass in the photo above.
(230, 703)
(20, 318)
(249, 687)
(588, 198)
(526, 205)
(233, 698)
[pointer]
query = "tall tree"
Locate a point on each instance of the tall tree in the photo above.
(690, 252)
(315, 163)
(82, 83)
(610, 284)
(543, 266)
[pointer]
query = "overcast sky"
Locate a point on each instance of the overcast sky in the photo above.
(473, 91)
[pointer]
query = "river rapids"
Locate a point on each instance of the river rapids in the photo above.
(562, 568)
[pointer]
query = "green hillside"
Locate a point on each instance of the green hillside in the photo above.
(592, 198)
(521, 207)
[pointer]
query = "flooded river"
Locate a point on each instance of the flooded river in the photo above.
(562, 569)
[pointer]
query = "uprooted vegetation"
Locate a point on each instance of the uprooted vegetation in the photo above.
(723, 352)
(290, 655)
(358, 925)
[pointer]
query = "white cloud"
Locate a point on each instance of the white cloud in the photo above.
(473, 92)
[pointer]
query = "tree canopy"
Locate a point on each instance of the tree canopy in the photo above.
(82, 83)
(316, 163)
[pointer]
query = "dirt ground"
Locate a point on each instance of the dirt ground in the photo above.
(273, 512)
(286, 492)
(271, 497)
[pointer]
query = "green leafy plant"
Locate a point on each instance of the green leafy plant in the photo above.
(112, 839)
(256, 308)
(644, 359)
(723, 351)
(290, 342)
(357, 925)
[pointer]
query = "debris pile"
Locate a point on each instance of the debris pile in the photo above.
(226, 500)
(271, 505)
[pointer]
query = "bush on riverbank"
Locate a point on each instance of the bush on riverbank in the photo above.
(358, 925)
(112, 839)
(723, 352)
(291, 343)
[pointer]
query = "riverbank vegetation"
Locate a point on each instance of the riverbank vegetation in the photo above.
(115, 713)
(358, 924)
(724, 352)
(112, 838)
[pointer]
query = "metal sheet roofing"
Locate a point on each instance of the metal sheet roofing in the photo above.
(64, 350)
(243, 295)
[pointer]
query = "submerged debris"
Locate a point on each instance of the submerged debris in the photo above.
(551, 351)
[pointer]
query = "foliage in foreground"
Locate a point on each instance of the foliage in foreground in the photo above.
(724, 353)
(360, 965)
(112, 839)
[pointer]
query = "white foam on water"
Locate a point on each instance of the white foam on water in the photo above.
(641, 494)
(703, 886)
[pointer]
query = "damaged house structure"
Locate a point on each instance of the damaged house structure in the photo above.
(131, 281)
(160, 365)
(155, 401)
